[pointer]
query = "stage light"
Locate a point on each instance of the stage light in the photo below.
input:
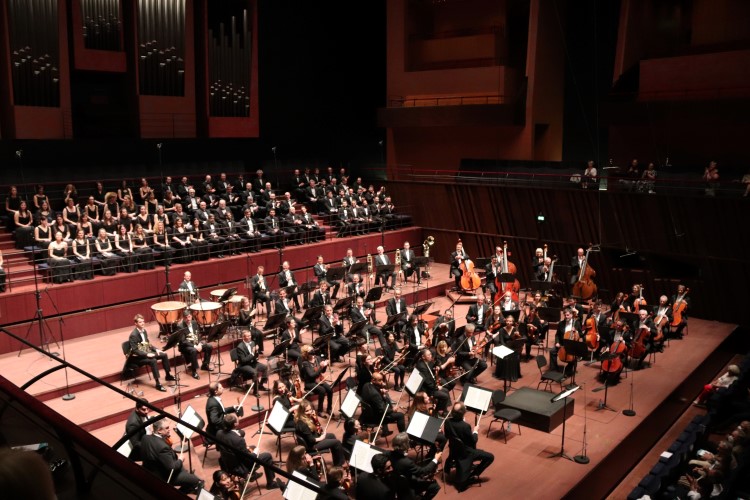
(540, 218)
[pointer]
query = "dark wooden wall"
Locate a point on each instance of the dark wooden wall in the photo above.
(693, 239)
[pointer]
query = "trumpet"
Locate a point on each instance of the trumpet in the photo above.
(398, 257)
(370, 267)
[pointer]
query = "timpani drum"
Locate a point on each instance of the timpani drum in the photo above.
(234, 304)
(168, 312)
(206, 313)
(216, 294)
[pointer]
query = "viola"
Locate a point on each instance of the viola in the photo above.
(678, 308)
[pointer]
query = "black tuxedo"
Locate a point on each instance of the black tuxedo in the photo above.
(455, 267)
(407, 263)
(160, 459)
(248, 364)
(357, 316)
(382, 276)
(407, 468)
(375, 404)
(287, 279)
(260, 290)
(430, 384)
(458, 430)
(390, 310)
(319, 299)
(339, 344)
(139, 354)
(371, 487)
(134, 422)
(464, 358)
(233, 449)
(215, 412)
(188, 347)
(321, 273)
(473, 316)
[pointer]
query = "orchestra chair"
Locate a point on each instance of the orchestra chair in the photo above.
(369, 423)
(457, 456)
(549, 377)
(285, 432)
(315, 454)
(503, 415)
(237, 380)
(239, 469)
(130, 370)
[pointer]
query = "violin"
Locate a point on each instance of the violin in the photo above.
(347, 483)
(315, 420)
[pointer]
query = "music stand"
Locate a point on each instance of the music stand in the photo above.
(385, 270)
(193, 418)
(424, 428)
(577, 349)
(274, 322)
(279, 349)
(348, 407)
(394, 319)
(629, 318)
(227, 294)
(603, 404)
(421, 309)
(541, 286)
(557, 397)
(477, 399)
(374, 294)
(362, 454)
(356, 328)
(458, 332)
(414, 383)
(277, 419)
(215, 334)
(172, 342)
(516, 313)
(321, 341)
(306, 288)
(335, 274)
(549, 314)
(342, 304)
(311, 314)
(482, 262)
(358, 268)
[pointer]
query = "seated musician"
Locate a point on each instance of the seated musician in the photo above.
(291, 334)
(248, 366)
(567, 325)
(533, 329)
(308, 429)
(598, 318)
(383, 275)
(491, 270)
(662, 321)
(445, 327)
(286, 279)
(413, 333)
(634, 300)
(680, 300)
(391, 351)
(143, 353)
(457, 258)
(245, 322)
(507, 304)
(414, 474)
(260, 289)
(645, 332)
(539, 302)
(298, 460)
(321, 272)
(216, 410)
(356, 287)
(362, 311)
(407, 263)
(333, 488)
(422, 403)
(225, 486)
(234, 453)
(188, 288)
(160, 459)
(445, 362)
(475, 461)
(396, 305)
(311, 371)
(286, 398)
(321, 296)
(379, 484)
(348, 261)
(478, 314)
(543, 271)
(330, 323)
(190, 344)
(376, 402)
(283, 305)
(468, 356)
(431, 383)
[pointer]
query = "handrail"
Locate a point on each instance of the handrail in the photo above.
(444, 100)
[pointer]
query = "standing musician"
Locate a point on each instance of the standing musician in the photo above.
(308, 428)
(330, 323)
(457, 259)
(508, 304)
(190, 344)
(321, 296)
(533, 330)
(311, 371)
(537, 261)
(478, 314)
(381, 276)
(680, 300)
(635, 301)
(292, 334)
(469, 355)
(160, 459)
(215, 409)
(260, 289)
(579, 259)
(445, 327)
(407, 262)
(286, 279)
(143, 353)
(321, 271)
(414, 474)
(431, 384)
(188, 287)
(390, 351)
(247, 352)
(475, 461)
(356, 287)
(491, 270)
(543, 271)
(362, 311)
(567, 325)
(396, 305)
(232, 448)
(377, 402)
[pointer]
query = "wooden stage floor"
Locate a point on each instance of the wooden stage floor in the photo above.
(522, 467)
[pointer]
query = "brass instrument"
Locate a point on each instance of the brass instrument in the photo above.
(397, 261)
(192, 337)
(427, 244)
(370, 267)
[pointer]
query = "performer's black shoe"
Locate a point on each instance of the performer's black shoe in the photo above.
(160, 388)
(169, 378)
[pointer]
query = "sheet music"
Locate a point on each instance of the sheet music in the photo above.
(205, 495)
(417, 424)
(350, 404)
(295, 491)
(477, 398)
(278, 417)
(125, 449)
(502, 351)
(414, 382)
(189, 417)
(362, 454)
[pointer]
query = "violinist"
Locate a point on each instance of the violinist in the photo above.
(286, 398)
(376, 486)
(216, 410)
(225, 487)
(680, 302)
(414, 474)
(445, 327)
(431, 383)
(308, 429)
(311, 370)
(291, 334)
(508, 304)
(567, 325)
(491, 270)
(362, 311)
(469, 355)
(474, 461)
(333, 487)
(538, 302)
(390, 351)
(444, 357)
(422, 403)
(457, 258)
(352, 431)
(330, 323)
(364, 368)
(233, 452)
(160, 459)
(533, 330)
(298, 460)
(376, 402)
(508, 368)
(478, 314)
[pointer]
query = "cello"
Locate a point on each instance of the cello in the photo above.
(585, 287)
(506, 268)
(591, 333)
(470, 280)
(678, 309)
(613, 365)
(562, 354)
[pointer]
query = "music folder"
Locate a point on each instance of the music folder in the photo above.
(476, 398)
(424, 427)
(413, 383)
(296, 491)
(362, 454)
(350, 404)
(278, 417)
(502, 351)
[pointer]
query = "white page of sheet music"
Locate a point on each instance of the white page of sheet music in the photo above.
(125, 449)
(417, 424)
(502, 351)
(295, 491)
(362, 454)
(415, 380)
(189, 417)
(278, 417)
(477, 398)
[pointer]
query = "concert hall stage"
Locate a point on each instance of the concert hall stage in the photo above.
(537, 409)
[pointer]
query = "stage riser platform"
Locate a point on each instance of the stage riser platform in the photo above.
(134, 293)
(536, 409)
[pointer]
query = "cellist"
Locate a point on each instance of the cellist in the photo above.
(662, 320)
(680, 303)
(567, 326)
(457, 258)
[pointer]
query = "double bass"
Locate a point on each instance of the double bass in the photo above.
(585, 287)
(506, 268)
(470, 280)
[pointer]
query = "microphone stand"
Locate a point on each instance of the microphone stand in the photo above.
(67, 396)
(39, 317)
(582, 458)
(630, 412)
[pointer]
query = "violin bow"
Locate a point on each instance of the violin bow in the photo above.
(257, 454)
(240, 403)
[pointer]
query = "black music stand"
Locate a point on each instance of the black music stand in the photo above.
(557, 397)
(343, 304)
(385, 270)
(603, 404)
(306, 288)
(229, 292)
(279, 349)
(541, 286)
(216, 333)
(549, 314)
(358, 268)
(321, 343)
(516, 313)
(424, 428)
(374, 294)
(630, 318)
(274, 322)
(578, 349)
(394, 319)
(458, 332)
(481, 262)
(421, 309)
(335, 275)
